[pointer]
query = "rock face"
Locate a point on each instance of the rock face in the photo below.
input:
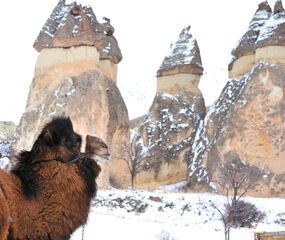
(247, 121)
(69, 80)
(165, 135)
(182, 69)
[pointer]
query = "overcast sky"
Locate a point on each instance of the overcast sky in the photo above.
(144, 30)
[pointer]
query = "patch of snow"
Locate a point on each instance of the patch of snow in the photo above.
(107, 48)
(4, 162)
(145, 215)
(271, 25)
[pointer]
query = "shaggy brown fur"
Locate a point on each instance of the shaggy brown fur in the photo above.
(48, 193)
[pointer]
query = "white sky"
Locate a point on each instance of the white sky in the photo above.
(144, 30)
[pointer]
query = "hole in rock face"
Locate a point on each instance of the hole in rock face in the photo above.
(75, 11)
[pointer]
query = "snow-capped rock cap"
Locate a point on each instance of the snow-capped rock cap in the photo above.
(273, 32)
(184, 56)
(246, 45)
(72, 24)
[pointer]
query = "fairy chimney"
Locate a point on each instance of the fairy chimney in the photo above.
(75, 75)
(244, 53)
(181, 70)
(167, 131)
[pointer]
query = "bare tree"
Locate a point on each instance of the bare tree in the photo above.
(237, 178)
(131, 154)
(227, 224)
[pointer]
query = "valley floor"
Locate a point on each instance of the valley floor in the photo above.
(164, 215)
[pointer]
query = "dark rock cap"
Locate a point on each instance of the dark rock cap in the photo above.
(278, 7)
(72, 25)
(184, 57)
(246, 44)
(273, 32)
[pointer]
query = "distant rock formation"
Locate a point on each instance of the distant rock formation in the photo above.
(69, 79)
(182, 69)
(168, 130)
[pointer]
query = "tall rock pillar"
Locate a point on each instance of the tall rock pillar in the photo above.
(75, 75)
(169, 128)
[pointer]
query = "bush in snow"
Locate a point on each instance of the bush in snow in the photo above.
(242, 214)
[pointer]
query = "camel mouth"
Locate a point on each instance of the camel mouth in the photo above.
(104, 157)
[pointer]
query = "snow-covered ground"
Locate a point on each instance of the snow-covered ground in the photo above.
(165, 215)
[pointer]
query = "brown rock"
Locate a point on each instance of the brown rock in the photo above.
(187, 68)
(155, 199)
(247, 121)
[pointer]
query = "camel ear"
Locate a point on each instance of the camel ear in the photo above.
(50, 138)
